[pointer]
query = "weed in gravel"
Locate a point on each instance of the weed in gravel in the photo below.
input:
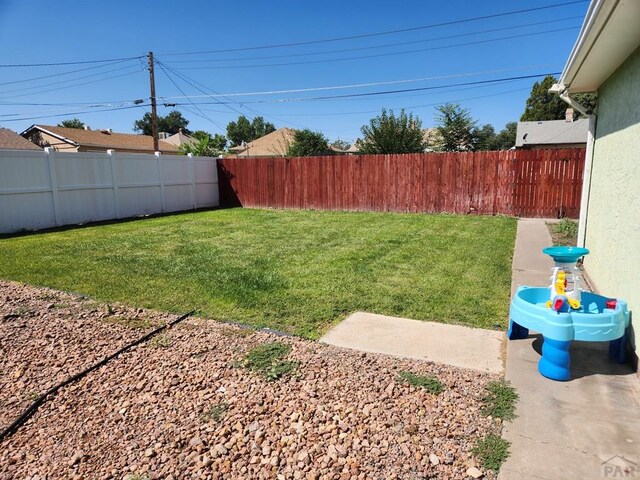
(429, 382)
(161, 340)
(216, 412)
(500, 401)
(137, 476)
(268, 360)
(134, 323)
(564, 232)
(18, 312)
(236, 332)
(492, 451)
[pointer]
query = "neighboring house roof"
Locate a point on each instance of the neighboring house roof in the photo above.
(552, 132)
(354, 148)
(274, 144)
(608, 36)
(179, 138)
(12, 141)
(102, 138)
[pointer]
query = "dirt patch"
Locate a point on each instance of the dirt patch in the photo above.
(192, 410)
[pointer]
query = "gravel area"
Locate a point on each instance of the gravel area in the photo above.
(183, 406)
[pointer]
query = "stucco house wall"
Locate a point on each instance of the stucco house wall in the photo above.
(45, 140)
(613, 216)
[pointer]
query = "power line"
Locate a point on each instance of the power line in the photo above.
(193, 83)
(61, 73)
(202, 114)
(387, 32)
(72, 85)
(76, 113)
(407, 107)
(378, 55)
(388, 92)
(375, 47)
(362, 85)
(184, 77)
(69, 104)
(68, 80)
(80, 62)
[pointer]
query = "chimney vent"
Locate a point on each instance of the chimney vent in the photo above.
(568, 115)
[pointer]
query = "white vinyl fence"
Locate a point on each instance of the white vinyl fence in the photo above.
(47, 189)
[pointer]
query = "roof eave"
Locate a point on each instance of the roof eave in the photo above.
(595, 56)
(48, 132)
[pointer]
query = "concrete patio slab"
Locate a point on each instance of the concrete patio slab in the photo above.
(465, 347)
(566, 429)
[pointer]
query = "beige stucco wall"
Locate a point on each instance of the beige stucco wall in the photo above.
(46, 140)
(613, 217)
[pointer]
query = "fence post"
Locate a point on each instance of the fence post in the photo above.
(192, 179)
(53, 180)
(161, 178)
(114, 181)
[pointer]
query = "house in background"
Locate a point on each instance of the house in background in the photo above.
(177, 139)
(274, 144)
(12, 141)
(606, 60)
(567, 133)
(64, 139)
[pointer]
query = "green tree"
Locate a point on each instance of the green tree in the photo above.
(202, 147)
(73, 123)
(171, 124)
(456, 128)
(588, 101)
(242, 130)
(506, 139)
(387, 133)
(340, 144)
(260, 128)
(307, 144)
(542, 104)
(219, 142)
(484, 138)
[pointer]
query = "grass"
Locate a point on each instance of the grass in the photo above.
(492, 451)
(216, 412)
(268, 360)
(295, 271)
(500, 401)
(430, 383)
(564, 232)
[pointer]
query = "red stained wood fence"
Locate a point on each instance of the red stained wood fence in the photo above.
(526, 183)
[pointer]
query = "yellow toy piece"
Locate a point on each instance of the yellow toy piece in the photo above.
(573, 303)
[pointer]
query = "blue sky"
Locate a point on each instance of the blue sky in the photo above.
(507, 46)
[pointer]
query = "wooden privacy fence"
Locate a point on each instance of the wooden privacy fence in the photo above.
(527, 183)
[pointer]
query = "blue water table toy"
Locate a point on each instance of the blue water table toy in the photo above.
(563, 312)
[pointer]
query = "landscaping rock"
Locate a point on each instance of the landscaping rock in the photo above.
(341, 414)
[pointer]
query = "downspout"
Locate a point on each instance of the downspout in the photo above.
(588, 160)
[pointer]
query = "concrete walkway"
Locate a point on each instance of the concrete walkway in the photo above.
(465, 347)
(567, 429)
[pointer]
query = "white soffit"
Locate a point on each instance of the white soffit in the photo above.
(610, 33)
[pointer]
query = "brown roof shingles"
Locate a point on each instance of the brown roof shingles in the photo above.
(12, 141)
(110, 140)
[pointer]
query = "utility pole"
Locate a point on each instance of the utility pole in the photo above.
(154, 115)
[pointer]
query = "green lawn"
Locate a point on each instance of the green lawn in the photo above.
(296, 271)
